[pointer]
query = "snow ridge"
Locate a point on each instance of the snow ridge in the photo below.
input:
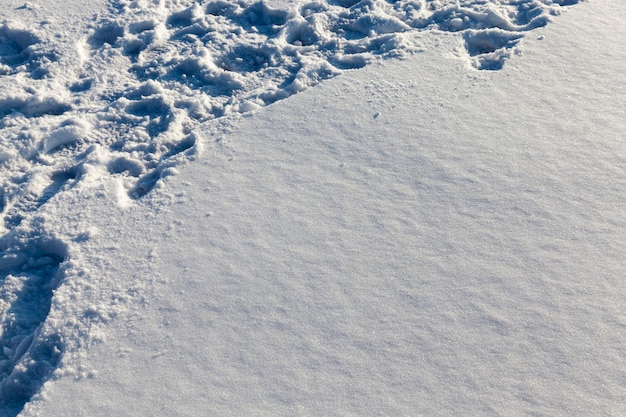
(125, 101)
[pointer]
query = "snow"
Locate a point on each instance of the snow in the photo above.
(436, 228)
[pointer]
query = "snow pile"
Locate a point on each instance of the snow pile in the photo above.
(127, 98)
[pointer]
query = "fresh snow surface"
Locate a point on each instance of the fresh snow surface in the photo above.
(438, 231)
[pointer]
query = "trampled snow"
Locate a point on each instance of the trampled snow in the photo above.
(437, 231)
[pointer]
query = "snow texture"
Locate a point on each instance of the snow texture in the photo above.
(413, 238)
(132, 97)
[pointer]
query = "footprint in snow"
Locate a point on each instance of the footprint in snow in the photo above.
(21, 51)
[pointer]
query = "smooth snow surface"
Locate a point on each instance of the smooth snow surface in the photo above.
(416, 237)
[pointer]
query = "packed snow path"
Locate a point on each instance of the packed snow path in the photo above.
(126, 98)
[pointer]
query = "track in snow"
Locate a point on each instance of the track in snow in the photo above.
(143, 79)
(125, 101)
(29, 265)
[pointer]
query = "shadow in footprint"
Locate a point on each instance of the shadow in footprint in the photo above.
(490, 47)
(244, 58)
(107, 32)
(257, 17)
(33, 106)
(20, 50)
(15, 45)
(29, 203)
(29, 266)
(156, 110)
(145, 184)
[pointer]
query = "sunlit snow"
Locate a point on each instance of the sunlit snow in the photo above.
(312, 208)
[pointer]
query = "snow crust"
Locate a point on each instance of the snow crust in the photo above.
(418, 237)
